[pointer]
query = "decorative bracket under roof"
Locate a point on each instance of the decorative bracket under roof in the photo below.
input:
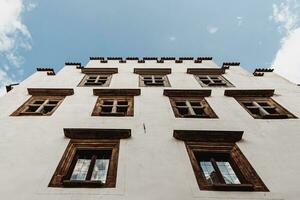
(204, 58)
(97, 58)
(116, 92)
(226, 65)
(99, 70)
(50, 91)
(152, 71)
(208, 135)
(249, 93)
(187, 93)
(77, 64)
(50, 71)
(206, 71)
(261, 71)
(93, 133)
(10, 87)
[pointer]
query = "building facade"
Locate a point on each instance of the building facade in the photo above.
(150, 128)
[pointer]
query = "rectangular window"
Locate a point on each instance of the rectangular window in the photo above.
(222, 166)
(191, 108)
(91, 165)
(87, 163)
(113, 106)
(153, 77)
(96, 80)
(39, 105)
(264, 108)
(212, 81)
(154, 80)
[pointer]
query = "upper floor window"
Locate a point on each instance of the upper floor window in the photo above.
(97, 76)
(264, 108)
(115, 102)
(212, 80)
(96, 80)
(43, 102)
(210, 77)
(154, 80)
(191, 107)
(153, 77)
(114, 106)
(190, 103)
(259, 104)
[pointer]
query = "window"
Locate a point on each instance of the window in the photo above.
(43, 102)
(154, 80)
(40, 105)
(114, 106)
(222, 166)
(264, 108)
(87, 163)
(191, 107)
(153, 77)
(96, 80)
(212, 80)
(99, 77)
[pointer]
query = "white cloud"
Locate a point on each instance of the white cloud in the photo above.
(287, 59)
(212, 29)
(172, 38)
(239, 20)
(14, 36)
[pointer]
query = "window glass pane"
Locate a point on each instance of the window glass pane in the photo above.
(209, 171)
(81, 169)
(227, 172)
(100, 170)
(32, 108)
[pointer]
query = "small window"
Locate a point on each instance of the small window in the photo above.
(222, 166)
(39, 105)
(154, 80)
(191, 108)
(212, 81)
(114, 106)
(96, 80)
(87, 163)
(264, 108)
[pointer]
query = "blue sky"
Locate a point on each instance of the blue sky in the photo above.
(48, 33)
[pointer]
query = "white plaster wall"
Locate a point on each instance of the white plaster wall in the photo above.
(152, 164)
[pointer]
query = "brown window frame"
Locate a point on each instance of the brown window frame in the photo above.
(22, 110)
(108, 78)
(224, 81)
(63, 172)
(154, 77)
(281, 112)
(152, 73)
(97, 111)
(209, 113)
(250, 181)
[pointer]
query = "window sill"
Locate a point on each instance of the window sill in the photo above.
(233, 187)
(83, 184)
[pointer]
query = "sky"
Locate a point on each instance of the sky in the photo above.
(257, 33)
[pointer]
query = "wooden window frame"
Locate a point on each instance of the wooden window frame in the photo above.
(212, 84)
(86, 77)
(164, 77)
(283, 113)
(21, 111)
(61, 177)
(101, 99)
(250, 181)
(207, 109)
